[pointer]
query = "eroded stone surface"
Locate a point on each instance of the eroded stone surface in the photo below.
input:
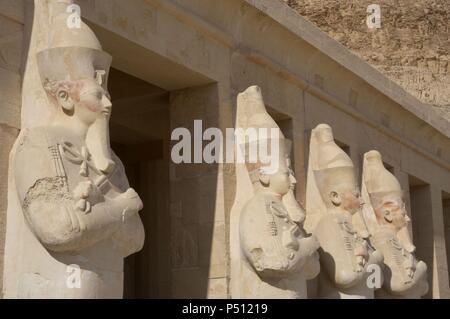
(333, 209)
(72, 217)
(276, 257)
(385, 216)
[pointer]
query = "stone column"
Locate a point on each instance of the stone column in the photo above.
(197, 204)
(428, 230)
(422, 224)
(8, 135)
(446, 211)
(11, 38)
(440, 287)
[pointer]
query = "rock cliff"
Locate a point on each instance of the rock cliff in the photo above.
(412, 47)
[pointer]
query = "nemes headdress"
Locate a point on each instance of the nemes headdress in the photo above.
(73, 53)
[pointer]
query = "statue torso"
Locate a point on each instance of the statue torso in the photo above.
(45, 153)
(343, 251)
(402, 276)
(266, 225)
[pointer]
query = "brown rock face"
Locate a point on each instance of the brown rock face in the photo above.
(412, 47)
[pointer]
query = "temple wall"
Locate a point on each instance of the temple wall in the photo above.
(197, 205)
(204, 53)
(11, 37)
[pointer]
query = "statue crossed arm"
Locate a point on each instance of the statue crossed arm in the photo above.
(267, 252)
(72, 202)
(67, 218)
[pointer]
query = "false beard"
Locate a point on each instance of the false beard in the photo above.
(294, 209)
(98, 144)
(405, 239)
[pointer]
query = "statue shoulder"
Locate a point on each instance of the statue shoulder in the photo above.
(34, 137)
(256, 206)
(253, 215)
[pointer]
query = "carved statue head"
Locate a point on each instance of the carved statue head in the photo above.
(385, 193)
(82, 100)
(334, 173)
(275, 175)
(324, 133)
(74, 73)
(279, 181)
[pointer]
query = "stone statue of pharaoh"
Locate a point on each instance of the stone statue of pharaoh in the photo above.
(385, 216)
(278, 257)
(80, 218)
(344, 254)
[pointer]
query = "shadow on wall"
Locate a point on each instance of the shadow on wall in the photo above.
(179, 199)
(422, 226)
(193, 194)
(139, 132)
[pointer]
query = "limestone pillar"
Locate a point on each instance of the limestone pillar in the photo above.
(197, 214)
(446, 212)
(402, 178)
(11, 45)
(440, 288)
(428, 236)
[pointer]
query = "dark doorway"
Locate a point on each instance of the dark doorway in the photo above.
(139, 132)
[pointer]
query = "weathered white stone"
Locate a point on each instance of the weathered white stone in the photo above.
(72, 217)
(187, 44)
(333, 204)
(276, 257)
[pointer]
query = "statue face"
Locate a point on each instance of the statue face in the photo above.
(85, 100)
(88, 103)
(290, 202)
(280, 182)
(392, 212)
(348, 198)
(93, 103)
(293, 180)
(325, 133)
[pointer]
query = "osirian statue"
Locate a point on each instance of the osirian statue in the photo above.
(277, 256)
(333, 199)
(73, 217)
(385, 216)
